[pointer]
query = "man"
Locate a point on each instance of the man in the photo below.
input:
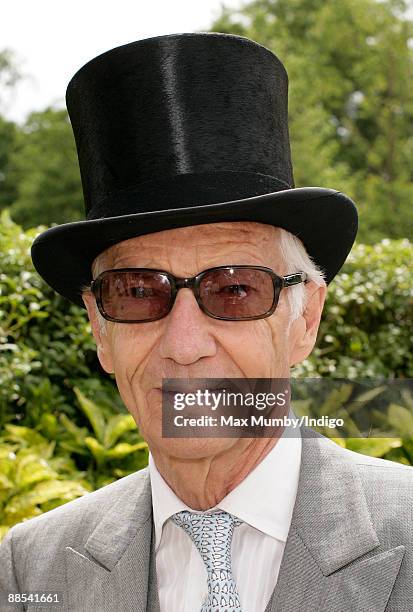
(185, 162)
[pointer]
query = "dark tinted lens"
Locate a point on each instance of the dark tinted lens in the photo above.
(135, 296)
(237, 293)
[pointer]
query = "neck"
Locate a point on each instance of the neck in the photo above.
(202, 483)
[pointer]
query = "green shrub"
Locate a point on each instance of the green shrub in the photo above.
(39, 471)
(46, 346)
(366, 330)
(109, 448)
(33, 479)
(388, 425)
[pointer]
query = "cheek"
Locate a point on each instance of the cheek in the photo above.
(259, 348)
(129, 344)
(130, 349)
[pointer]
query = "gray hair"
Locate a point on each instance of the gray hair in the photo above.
(293, 255)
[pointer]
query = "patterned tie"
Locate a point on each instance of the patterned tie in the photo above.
(212, 536)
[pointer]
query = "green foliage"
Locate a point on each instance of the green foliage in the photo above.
(39, 172)
(390, 426)
(9, 74)
(40, 471)
(350, 107)
(109, 448)
(8, 137)
(32, 478)
(46, 346)
(366, 330)
(43, 166)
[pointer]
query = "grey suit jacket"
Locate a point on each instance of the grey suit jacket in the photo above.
(349, 548)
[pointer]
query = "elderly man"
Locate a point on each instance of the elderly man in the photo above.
(207, 263)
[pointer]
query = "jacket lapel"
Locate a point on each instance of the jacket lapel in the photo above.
(330, 561)
(116, 569)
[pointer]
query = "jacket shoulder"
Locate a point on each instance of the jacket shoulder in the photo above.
(33, 553)
(369, 467)
(388, 490)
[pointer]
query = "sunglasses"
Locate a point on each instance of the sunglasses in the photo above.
(228, 293)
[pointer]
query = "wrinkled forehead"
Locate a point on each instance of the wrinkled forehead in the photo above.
(203, 240)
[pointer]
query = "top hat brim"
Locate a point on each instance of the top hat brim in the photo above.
(325, 220)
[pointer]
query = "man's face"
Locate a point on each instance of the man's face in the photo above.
(189, 344)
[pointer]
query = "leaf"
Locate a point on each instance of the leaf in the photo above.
(31, 469)
(363, 398)
(335, 400)
(79, 433)
(123, 449)
(48, 424)
(407, 397)
(401, 420)
(374, 447)
(64, 464)
(93, 413)
(96, 448)
(7, 465)
(6, 451)
(5, 483)
(116, 427)
(44, 492)
(74, 448)
(19, 433)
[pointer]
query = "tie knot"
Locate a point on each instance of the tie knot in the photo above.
(212, 535)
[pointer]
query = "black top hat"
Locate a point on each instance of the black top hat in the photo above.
(181, 130)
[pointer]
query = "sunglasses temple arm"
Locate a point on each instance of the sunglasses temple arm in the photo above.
(294, 279)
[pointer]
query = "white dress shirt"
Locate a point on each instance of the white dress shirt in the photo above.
(264, 500)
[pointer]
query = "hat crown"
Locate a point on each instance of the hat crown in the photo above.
(182, 130)
(166, 115)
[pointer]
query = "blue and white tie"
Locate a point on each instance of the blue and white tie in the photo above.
(212, 536)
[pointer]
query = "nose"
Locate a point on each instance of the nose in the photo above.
(187, 333)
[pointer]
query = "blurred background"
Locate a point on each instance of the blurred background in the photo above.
(63, 428)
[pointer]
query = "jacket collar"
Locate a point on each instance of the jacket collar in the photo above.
(129, 515)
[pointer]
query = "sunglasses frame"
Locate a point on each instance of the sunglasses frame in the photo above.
(176, 283)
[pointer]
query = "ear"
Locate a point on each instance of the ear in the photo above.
(304, 330)
(102, 341)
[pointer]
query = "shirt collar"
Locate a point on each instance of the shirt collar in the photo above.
(264, 499)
